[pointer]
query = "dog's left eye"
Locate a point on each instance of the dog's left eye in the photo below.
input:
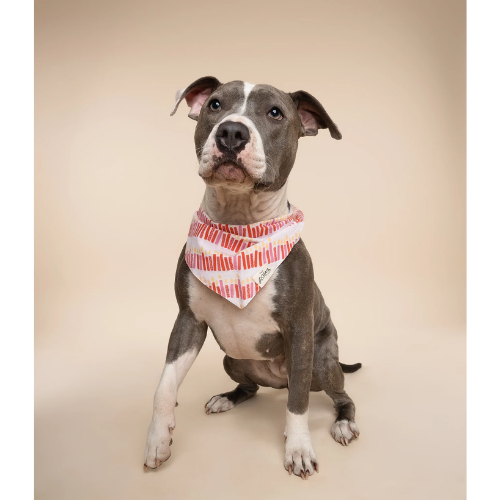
(214, 105)
(276, 114)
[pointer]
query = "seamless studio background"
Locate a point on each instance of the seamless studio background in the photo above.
(116, 186)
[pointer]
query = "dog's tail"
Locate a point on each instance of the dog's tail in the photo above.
(350, 368)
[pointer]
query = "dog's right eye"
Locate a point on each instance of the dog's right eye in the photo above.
(214, 105)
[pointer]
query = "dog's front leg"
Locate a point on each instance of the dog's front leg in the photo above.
(184, 345)
(299, 351)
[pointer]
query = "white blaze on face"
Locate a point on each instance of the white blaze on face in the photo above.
(247, 88)
(252, 156)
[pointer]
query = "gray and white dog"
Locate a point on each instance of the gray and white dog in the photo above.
(246, 140)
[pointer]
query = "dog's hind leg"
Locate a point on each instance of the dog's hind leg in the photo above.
(328, 375)
(246, 388)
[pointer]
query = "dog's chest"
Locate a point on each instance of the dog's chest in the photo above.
(248, 333)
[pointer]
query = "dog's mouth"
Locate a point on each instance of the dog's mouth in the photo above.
(229, 170)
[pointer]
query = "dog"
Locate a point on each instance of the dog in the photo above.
(246, 140)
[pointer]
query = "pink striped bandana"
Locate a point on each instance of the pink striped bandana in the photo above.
(237, 261)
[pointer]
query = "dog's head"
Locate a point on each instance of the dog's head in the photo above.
(247, 135)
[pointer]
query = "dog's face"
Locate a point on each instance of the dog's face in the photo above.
(247, 135)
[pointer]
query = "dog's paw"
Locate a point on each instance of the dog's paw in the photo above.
(157, 446)
(218, 404)
(343, 431)
(300, 457)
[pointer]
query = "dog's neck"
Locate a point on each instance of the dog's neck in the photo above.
(227, 206)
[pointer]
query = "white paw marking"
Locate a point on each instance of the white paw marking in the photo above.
(157, 446)
(299, 453)
(218, 404)
(299, 456)
(163, 422)
(344, 431)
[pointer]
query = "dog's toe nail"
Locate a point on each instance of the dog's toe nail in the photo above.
(307, 475)
(289, 470)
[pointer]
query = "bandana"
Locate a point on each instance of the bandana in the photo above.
(237, 261)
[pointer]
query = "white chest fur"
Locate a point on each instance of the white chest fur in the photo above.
(237, 330)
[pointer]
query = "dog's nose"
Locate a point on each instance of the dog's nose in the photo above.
(232, 136)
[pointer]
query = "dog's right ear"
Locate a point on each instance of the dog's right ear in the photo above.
(196, 94)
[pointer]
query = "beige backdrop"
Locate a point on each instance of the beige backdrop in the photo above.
(116, 186)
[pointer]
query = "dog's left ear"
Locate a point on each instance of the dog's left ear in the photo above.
(196, 94)
(313, 115)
